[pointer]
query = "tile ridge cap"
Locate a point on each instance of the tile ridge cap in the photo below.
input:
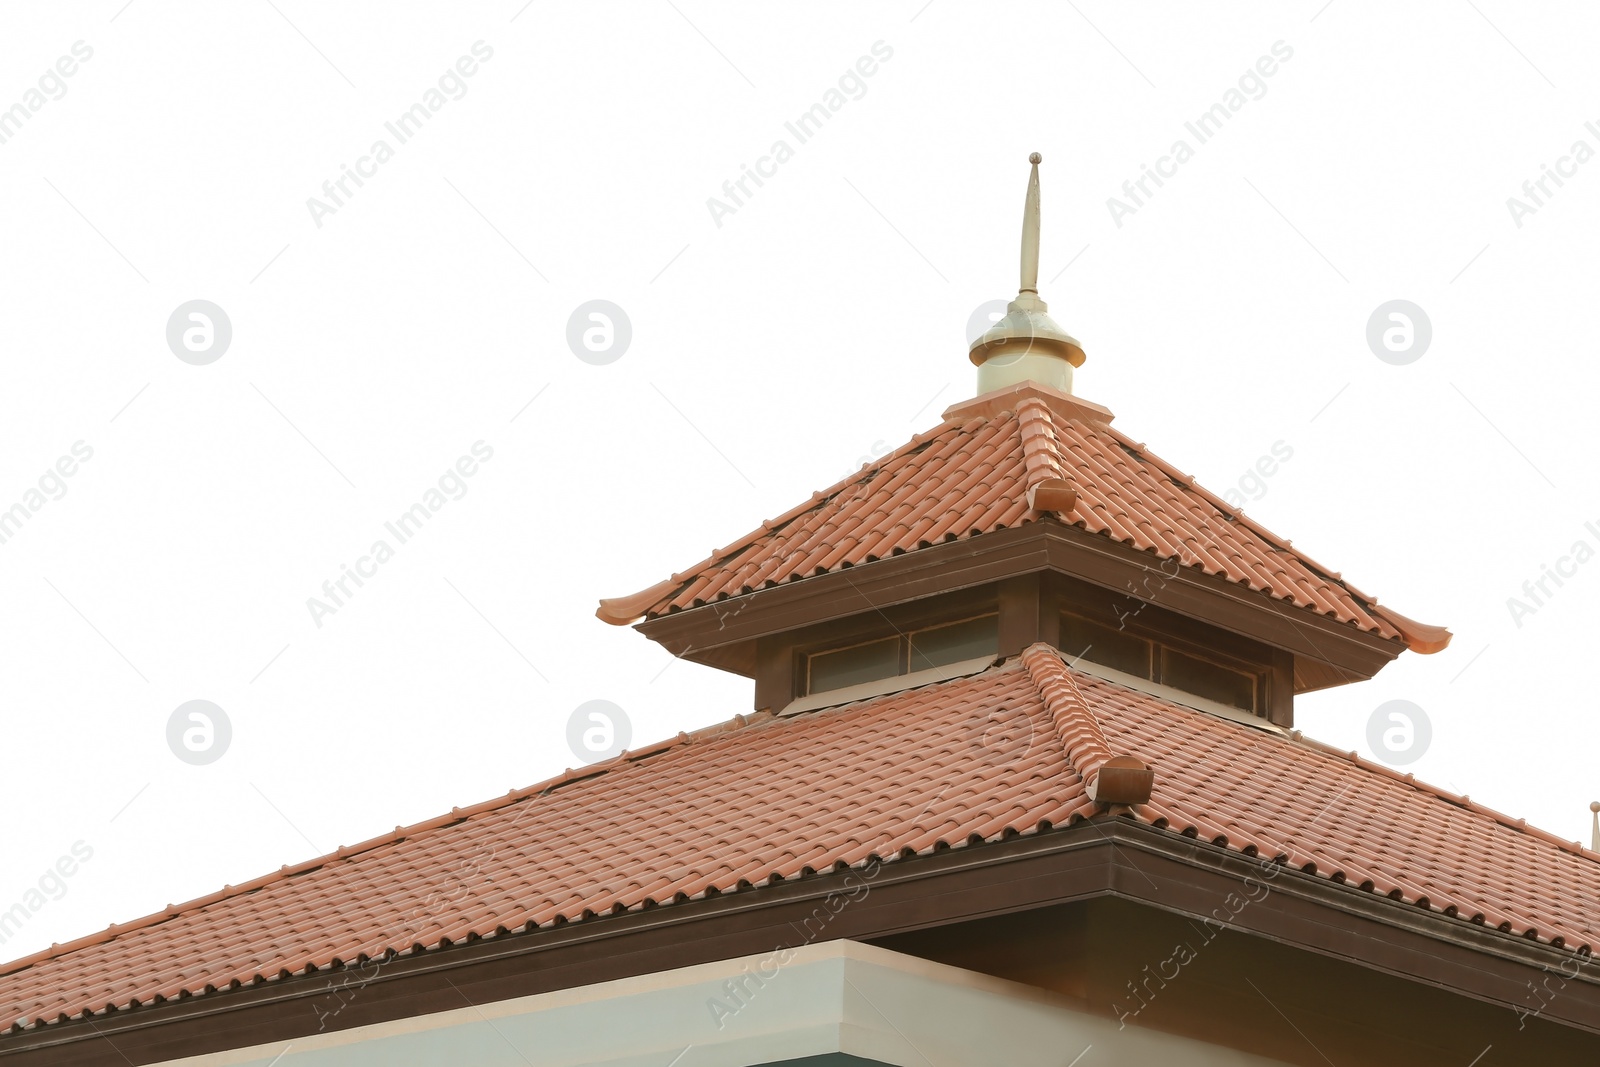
(1041, 448)
(1076, 726)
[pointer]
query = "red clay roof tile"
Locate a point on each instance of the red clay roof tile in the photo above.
(762, 797)
(971, 475)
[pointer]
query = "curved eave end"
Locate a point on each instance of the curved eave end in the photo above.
(626, 610)
(1419, 636)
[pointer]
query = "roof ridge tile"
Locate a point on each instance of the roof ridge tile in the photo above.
(1041, 449)
(1077, 728)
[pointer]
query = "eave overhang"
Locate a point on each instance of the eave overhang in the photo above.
(723, 633)
(1115, 857)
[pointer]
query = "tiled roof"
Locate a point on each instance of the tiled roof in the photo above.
(982, 469)
(737, 805)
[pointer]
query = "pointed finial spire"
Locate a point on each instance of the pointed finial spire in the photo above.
(1594, 831)
(1030, 231)
(1026, 344)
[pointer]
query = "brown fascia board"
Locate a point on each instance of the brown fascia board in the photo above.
(1109, 857)
(715, 633)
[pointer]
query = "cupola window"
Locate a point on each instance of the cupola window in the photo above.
(1238, 685)
(953, 642)
(1203, 678)
(905, 653)
(866, 662)
(1106, 645)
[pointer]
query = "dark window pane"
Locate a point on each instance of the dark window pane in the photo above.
(1210, 680)
(851, 666)
(1106, 645)
(954, 642)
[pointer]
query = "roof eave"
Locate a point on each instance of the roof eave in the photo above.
(1091, 858)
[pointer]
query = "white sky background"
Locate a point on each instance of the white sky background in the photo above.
(822, 322)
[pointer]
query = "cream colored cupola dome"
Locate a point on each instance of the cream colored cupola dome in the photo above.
(1026, 345)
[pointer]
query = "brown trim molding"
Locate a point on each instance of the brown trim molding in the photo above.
(721, 633)
(1114, 857)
